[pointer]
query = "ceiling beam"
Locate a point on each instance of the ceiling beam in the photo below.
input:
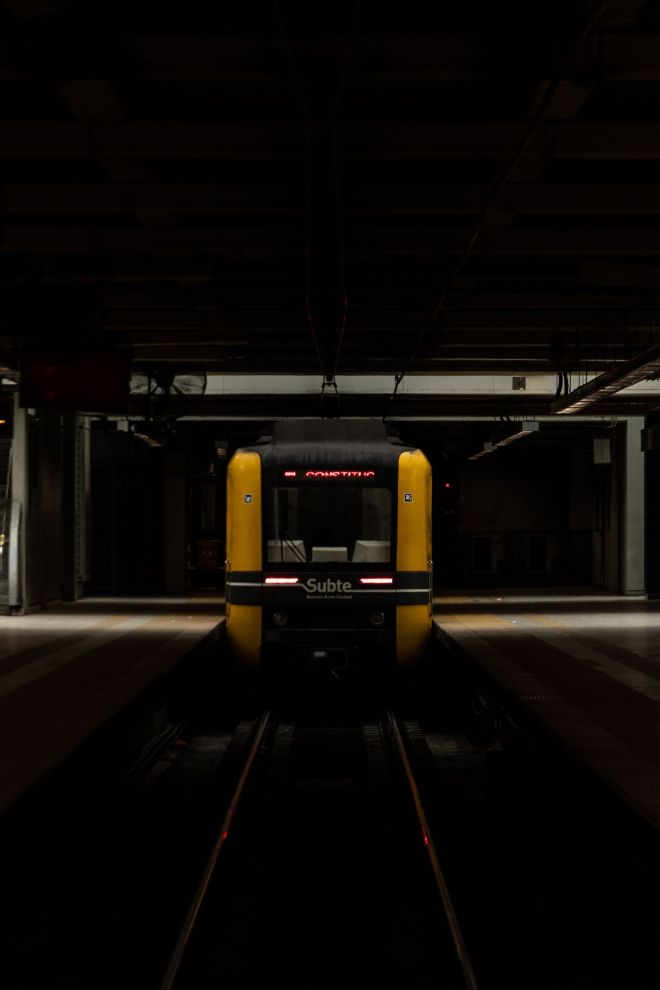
(402, 405)
(376, 59)
(239, 140)
(176, 197)
(375, 318)
(372, 241)
(365, 299)
(395, 198)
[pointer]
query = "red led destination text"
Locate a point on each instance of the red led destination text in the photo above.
(330, 473)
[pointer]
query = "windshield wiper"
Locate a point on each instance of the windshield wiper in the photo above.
(296, 551)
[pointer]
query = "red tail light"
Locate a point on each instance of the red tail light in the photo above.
(282, 580)
(376, 580)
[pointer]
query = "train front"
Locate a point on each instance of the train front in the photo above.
(345, 547)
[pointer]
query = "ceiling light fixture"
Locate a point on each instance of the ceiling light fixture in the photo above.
(643, 365)
(151, 441)
(531, 426)
(487, 448)
(525, 428)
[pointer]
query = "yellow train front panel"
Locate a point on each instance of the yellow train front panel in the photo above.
(244, 553)
(413, 557)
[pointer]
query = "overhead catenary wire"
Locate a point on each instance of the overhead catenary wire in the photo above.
(335, 150)
(328, 365)
(305, 110)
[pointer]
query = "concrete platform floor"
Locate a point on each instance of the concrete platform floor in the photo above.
(587, 664)
(67, 670)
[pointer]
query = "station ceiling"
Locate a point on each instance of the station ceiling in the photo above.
(335, 188)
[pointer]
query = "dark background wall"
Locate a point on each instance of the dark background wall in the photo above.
(523, 514)
(127, 514)
(44, 509)
(533, 513)
(158, 513)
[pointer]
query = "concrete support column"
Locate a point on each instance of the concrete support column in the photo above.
(652, 491)
(75, 505)
(43, 530)
(69, 514)
(619, 539)
(174, 523)
(632, 531)
(19, 494)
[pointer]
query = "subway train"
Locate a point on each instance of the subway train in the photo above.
(328, 548)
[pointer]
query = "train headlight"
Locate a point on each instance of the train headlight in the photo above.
(377, 617)
(280, 618)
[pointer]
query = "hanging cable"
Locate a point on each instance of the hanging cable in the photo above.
(397, 381)
(329, 403)
(498, 186)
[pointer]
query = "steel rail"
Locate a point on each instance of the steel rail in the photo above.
(153, 751)
(176, 958)
(441, 883)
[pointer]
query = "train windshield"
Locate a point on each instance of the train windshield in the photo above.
(323, 524)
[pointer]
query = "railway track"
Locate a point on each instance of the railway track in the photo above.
(322, 873)
(323, 869)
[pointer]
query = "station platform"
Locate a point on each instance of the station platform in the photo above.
(66, 671)
(584, 663)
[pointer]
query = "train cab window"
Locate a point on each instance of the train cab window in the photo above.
(325, 524)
